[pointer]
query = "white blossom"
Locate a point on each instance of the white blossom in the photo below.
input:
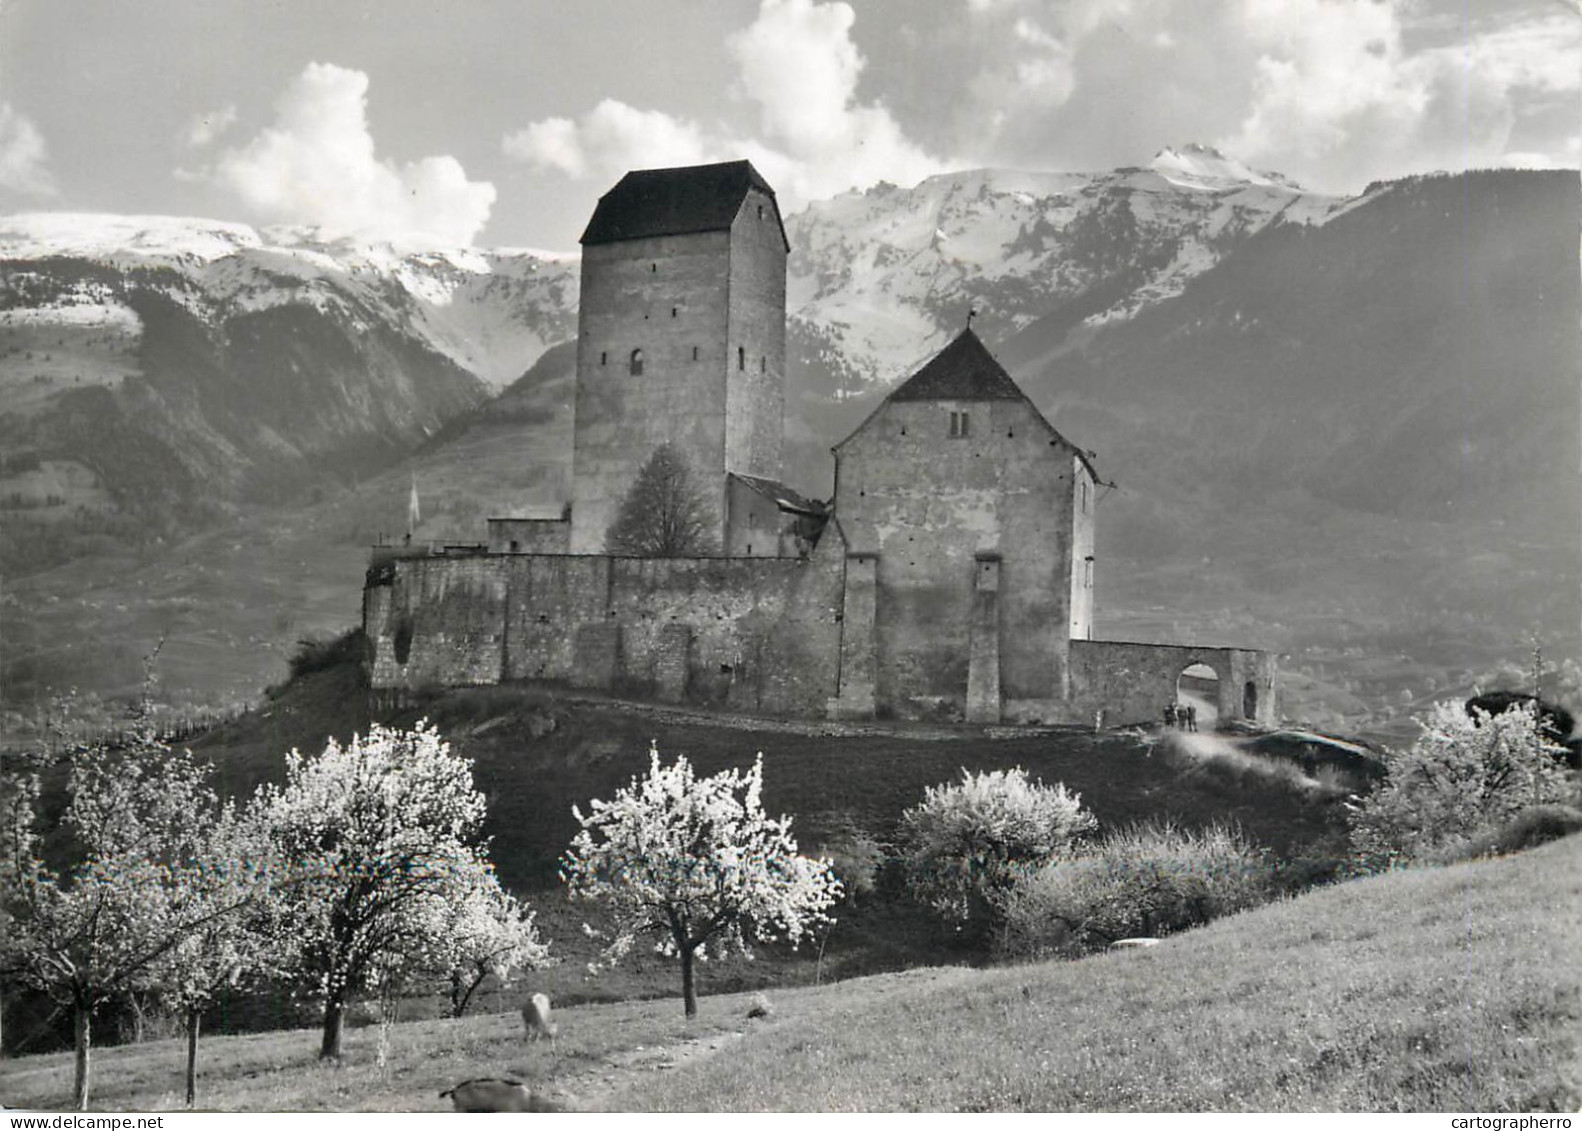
(696, 862)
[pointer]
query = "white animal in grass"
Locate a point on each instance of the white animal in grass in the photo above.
(535, 1015)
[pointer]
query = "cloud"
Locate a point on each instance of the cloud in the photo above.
(24, 157)
(204, 129)
(798, 65)
(608, 140)
(1035, 71)
(1335, 85)
(316, 165)
(1333, 92)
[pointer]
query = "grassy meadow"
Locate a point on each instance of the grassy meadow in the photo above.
(1445, 989)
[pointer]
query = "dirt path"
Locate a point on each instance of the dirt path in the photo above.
(590, 1087)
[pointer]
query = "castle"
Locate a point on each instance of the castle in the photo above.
(950, 577)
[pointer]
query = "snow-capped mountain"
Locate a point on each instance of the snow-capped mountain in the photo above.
(156, 372)
(881, 280)
(491, 312)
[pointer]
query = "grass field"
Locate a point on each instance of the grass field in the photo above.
(1454, 989)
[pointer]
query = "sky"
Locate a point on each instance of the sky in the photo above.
(500, 122)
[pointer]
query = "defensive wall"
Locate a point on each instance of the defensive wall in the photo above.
(750, 634)
(1131, 683)
(774, 636)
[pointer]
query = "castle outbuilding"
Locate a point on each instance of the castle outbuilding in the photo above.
(973, 515)
(951, 577)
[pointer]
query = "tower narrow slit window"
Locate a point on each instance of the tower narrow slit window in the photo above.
(741, 357)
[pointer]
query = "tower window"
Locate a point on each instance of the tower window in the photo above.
(653, 268)
(763, 363)
(672, 312)
(760, 212)
(1084, 496)
(694, 353)
(604, 357)
(636, 364)
(741, 357)
(959, 426)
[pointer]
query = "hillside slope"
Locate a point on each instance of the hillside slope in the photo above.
(1427, 991)
(1437, 990)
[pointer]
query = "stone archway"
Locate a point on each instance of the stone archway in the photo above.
(1198, 686)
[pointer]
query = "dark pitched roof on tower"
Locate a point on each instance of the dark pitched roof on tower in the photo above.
(673, 202)
(963, 371)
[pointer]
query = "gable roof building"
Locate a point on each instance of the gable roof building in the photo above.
(965, 371)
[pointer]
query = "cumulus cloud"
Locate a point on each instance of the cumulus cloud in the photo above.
(1333, 92)
(204, 129)
(1336, 84)
(316, 165)
(1036, 70)
(608, 140)
(798, 64)
(24, 158)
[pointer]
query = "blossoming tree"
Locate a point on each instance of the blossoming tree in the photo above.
(379, 844)
(142, 875)
(1466, 773)
(967, 842)
(696, 862)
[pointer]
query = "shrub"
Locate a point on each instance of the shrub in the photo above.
(1465, 776)
(964, 844)
(855, 855)
(1533, 826)
(1150, 879)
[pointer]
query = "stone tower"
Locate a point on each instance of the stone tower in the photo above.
(681, 338)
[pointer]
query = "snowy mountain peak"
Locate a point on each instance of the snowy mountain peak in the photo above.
(1204, 167)
(106, 235)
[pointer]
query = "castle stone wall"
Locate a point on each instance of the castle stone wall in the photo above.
(1133, 682)
(756, 634)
